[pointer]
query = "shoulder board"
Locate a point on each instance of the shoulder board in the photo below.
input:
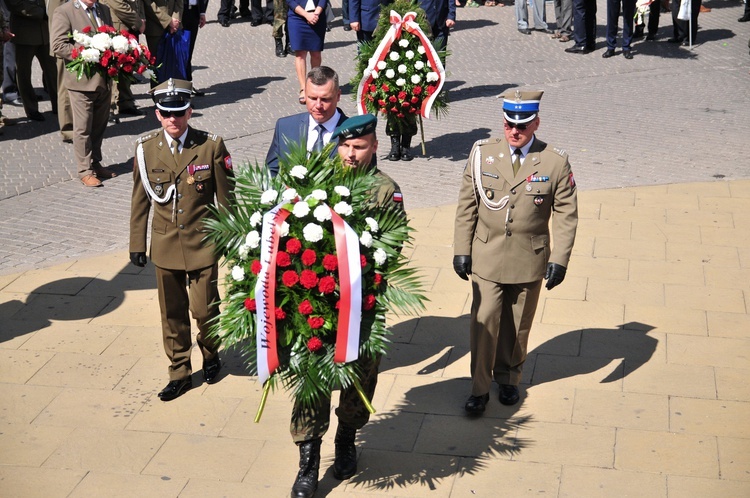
(148, 137)
(211, 136)
(560, 152)
(486, 141)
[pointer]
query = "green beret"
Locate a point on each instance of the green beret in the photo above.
(356, 126)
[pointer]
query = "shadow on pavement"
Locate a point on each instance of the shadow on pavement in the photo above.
(454, 146)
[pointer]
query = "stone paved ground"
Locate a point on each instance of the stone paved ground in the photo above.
(668, 115)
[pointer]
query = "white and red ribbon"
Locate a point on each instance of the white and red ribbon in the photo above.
(398, 24)
(350, 290)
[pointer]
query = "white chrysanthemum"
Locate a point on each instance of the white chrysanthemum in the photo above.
(400, 82)
(322, 213)
(432, 76)
(366, 239)
(301, 209)
(379, 256)
(252, 239)
(374, 74)
(343, 208)
(120, 44)
(101, 42)
(244, 251)
(284, 230)
(269, 196)
(409, 54)
(134, 43)
(421, 49)
(367, 71)
(90, 55)
(342, 191)
(403, 43)
(401, 68)
(419, 65)
(415, 78)
(372, 224)
(289, 195)
(390, 73)
(298, 171)
(394, 56)
(381, 65)
(312, 232)
(255, 219)
(148, 74)
(319, 194)
(81, 38)
(238, 273)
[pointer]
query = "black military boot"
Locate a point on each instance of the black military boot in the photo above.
(309, 464)
(405, 144)
(345, 462)
(280, 52)
(395, 153)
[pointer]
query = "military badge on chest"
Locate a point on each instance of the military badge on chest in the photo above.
(196, 177)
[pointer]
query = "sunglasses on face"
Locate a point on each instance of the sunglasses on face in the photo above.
(169, 114)
(517, 126)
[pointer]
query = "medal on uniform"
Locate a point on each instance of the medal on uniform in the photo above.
(190, 180)
(538, 200)
(490, 194)
(528, 187)
(200, 187)
(489, 160)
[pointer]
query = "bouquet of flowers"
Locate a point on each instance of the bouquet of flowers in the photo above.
(315, 266)
(111, 53)
(400, 74)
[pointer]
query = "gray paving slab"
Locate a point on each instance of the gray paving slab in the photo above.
(669, 115)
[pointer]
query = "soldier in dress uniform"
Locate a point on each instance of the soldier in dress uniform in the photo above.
(181, 172)
(357, 145)
(511, 188)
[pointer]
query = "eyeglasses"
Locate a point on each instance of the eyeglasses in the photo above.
(517, 126)
(169, 114)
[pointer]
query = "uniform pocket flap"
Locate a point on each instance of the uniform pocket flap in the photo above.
(482, 233)
(539, 242)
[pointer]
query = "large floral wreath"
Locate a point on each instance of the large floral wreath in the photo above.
(315, 266)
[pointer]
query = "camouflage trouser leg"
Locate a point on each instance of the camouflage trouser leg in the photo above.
(407, 126)
(280, 9)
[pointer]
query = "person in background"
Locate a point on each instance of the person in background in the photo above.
(307, 31)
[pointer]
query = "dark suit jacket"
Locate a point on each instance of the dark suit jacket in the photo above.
(290, 130)
(438, 11)
(366, 12)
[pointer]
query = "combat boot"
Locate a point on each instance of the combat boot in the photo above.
(345, 462)
(280, 51)
(405, 144)
(309, 465)
(395, 153)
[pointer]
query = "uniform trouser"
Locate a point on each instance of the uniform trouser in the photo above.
(681, 29)
(180, 292)
(24, 57)
(584, 23)
(564, 16)
(364, 36)
(64, 112)
(501, 317)
(312, 423)
(613, 16)
(90, 116)
(191, 18)
(539, 13)
(280, 10)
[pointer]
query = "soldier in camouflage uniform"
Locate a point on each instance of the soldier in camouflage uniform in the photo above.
(356, 147)
(280, 27)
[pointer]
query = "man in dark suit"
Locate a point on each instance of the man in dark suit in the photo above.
(28, 21)
(180, 173)
(313, 128)
(89, 97)
(363, 18)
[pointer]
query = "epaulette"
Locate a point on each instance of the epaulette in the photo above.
(148, 137)
(212, 136)
(485, 141)
(560, 152)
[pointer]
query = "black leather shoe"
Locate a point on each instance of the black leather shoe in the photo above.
(131, 111)
(525, 31)
(347, 27)
(256, 23)
(309, 464)
(509, 394)
(744, 18)
(345, 461)
(36, 116)
(578, 49)
(650, 37)
(280, 52)
(545, 30)
(475, 405)
(224, 23)
(395, 154)
(608, 53)
(627, 54)
(674, 40)
(175, 389)
(211, 369)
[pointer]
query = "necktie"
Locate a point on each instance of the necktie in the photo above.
(176, 150)
(318, 145)
(90, 12)
(516, 161)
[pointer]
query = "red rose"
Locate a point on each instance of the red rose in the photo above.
(141, 69)
(290, 278)
(112, 71)
(412, 111)
(400, 115)
(124, 32)
(308, 257)
(327, 285)
(282, 259)
(127, 68)
(293, 246)
(401, 95)
(377, 279)
(362, 260)
(250, 305)
(431, 89)
(394, 109)
(373, 88)
(368, 302)
(103, 29)
(86, 29)
(314, 344)
(337, 306)
(330, 262)
(315, 322)
(417, 90)
(392, 99)
(308, 279)
(74, 53)
(280, 314)
(405, 104)
(305, 307)
(414, 100)
(370, 98)
(381, 103)
(383, 110)
(255, 267)
(385, 88)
